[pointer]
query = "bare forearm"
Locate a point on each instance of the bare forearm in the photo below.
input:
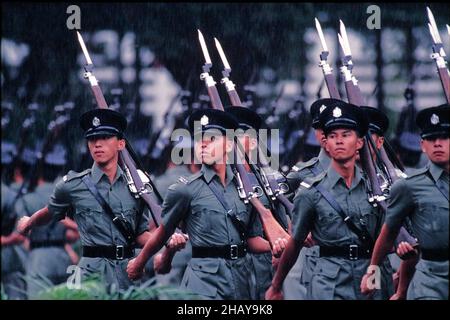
(69, 224)
(40, 217)
(258, 245)
(287, 260)
(383, 245)
(154, 243)
(406, 273)
(12, 239)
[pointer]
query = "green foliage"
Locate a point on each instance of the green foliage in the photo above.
(93, 288)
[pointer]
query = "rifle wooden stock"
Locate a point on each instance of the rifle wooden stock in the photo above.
(126, 159)
(445, 81)
(262, 160)
(98, 94)
(216, 103)
(272, 228)
(234, 98)
(332, 86)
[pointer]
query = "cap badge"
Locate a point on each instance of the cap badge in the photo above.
(323, 107)
(204, 120)
(337, 112)
(434, 119)
(96, 122)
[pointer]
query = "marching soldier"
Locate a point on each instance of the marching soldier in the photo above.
(423, 197)
(263, 260)
(335, 208)
(179, 263)
(214, 217)
(110, 220)
(12, 252)
(50, 253)
(300, 275)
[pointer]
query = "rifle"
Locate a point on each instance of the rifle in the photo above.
(271, 227)
(272, 188)
(355, 97)
(138, 180)
(439, 54)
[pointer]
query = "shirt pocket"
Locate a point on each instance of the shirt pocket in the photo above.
(436, 216)
(201, 277)
(329, 223)
(200, 219)
(88, 219)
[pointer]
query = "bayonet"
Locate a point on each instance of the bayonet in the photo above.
(326, 68)
(229, 85)
(439, 54)
(321, 36)
(226, 66)
(208, 64)
(433, 25)
(84, 49)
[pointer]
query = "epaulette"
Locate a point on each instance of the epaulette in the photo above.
(73, 174)
(417, 172)
(310, 181)
(307, 164)
(400, 173)
(188, 180)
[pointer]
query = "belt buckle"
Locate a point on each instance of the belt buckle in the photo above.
(120, 252)
(233, 251)
(353, 252)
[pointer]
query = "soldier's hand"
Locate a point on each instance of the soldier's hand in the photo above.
(309, 241)
(406, 250)
(24, 225)
(159, 264)
(278, 247)
(367, 289)
(177, 241)
(397, 296)
(272, 294)
(134, 271)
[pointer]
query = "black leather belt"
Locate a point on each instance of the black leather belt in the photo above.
(110, 252)
(232, 252)
(434, 254)
(351, 252)
(43, 244)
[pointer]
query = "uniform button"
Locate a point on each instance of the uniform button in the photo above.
(199, 267)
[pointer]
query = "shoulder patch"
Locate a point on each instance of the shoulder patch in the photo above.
(73, 175)
(400, 173)
(417, 172)
(183, 180)
(188, 180)
(305, 185)
(302, 165)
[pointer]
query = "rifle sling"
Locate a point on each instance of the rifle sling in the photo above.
(106, 207)
(363, 235)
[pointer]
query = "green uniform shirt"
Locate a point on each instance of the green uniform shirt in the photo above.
(337, 277)
(314, 213)
(209, 225)
(418, 197)
(95, 226)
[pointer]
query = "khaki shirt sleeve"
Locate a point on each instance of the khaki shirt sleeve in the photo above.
(400, 205)
(303, 214)
(175, 207)
(60, 201)
(143, 222)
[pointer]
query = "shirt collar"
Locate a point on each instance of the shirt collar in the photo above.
(209, 173)
(324, 159)
(97, 173)
(435, 170)
(334, 177)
